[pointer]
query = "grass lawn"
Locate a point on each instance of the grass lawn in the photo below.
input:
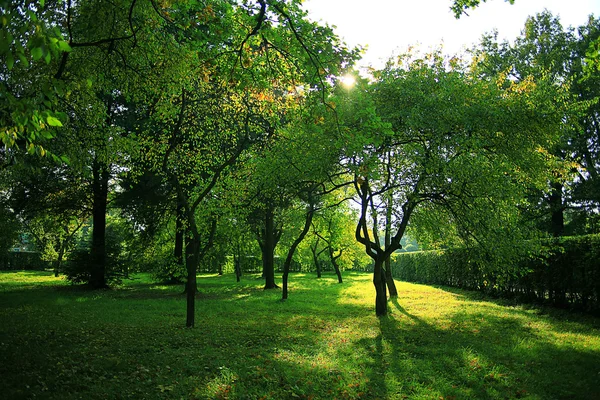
(59, 341)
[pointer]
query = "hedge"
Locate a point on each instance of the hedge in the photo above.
(561, 271)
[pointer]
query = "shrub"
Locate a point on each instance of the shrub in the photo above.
(562, 271)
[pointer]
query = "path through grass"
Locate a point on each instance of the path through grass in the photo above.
(61, 342)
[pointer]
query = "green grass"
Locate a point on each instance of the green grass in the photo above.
(61, 342)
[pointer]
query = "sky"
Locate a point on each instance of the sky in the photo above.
(389, 27)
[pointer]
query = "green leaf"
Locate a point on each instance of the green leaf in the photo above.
(23, 59)
(64, 46)
(46, 134)
(10, 60)
(52, 121)
(4, 44)
(31, 14)
(47, 57)
(36, 53)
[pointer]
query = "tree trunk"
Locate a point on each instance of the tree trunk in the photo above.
(98, 251)
(194, 254)
(315, 257)
(58, 262)
(380, 288)
(237, 267)
(268, 250)
(389, 279)
(388, 240)
(336, 267)
(179, 232)
(292, 250)
(190, 260)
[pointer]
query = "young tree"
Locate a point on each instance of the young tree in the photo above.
(333, 229)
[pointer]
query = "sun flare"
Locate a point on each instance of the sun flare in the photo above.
(348, 81)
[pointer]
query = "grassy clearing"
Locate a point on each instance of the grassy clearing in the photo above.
(61, 342)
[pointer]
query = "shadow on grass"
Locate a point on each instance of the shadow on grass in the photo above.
(557, 317)
(313, 346)
(488, 357)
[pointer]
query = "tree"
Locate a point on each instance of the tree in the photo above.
(334, 227)
(547, 52)
(48, 200)
(443, 139)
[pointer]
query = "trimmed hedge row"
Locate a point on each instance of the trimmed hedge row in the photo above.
(562, 271)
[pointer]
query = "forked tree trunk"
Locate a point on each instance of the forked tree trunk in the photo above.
(389, 278)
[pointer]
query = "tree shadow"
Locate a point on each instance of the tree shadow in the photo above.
(562, 319)
(479, 357)
(310, 347)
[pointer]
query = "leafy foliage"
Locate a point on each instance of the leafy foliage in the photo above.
(30, 41)
(546, 53)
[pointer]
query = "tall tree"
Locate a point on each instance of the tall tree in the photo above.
(546, 51)
(452, 141)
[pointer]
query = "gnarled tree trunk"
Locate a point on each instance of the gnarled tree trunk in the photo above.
(380, 287)
(336, 266)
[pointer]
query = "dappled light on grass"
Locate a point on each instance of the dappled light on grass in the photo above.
(323, 343)
(9, 279)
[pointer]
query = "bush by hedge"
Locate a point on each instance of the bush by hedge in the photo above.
(561, 271)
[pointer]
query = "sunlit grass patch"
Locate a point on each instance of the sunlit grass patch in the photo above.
(10, 279)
